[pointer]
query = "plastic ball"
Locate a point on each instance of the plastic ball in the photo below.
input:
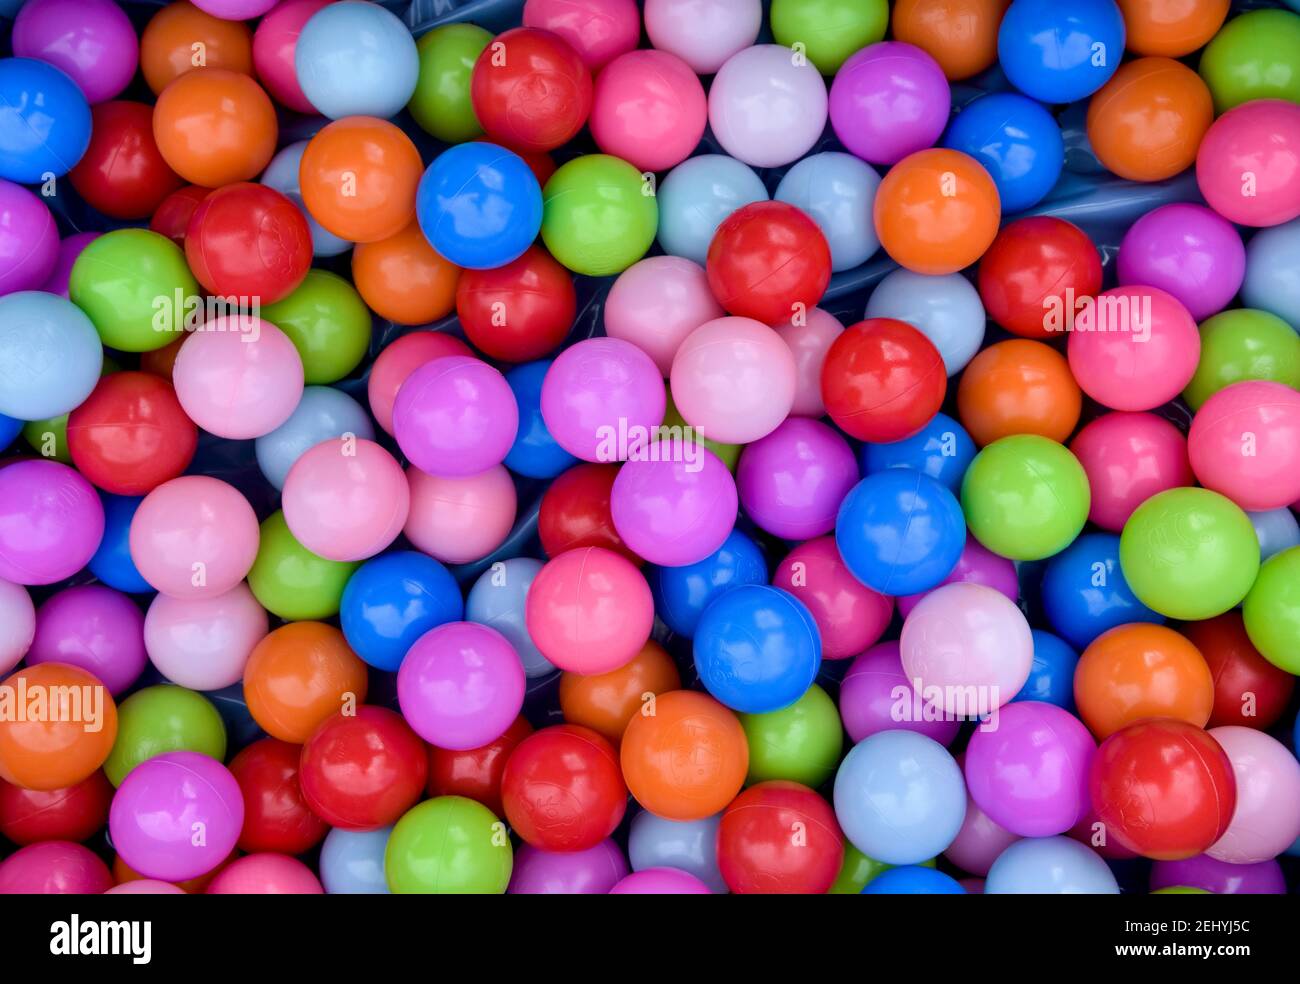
(50, 356)
(599, 215)
(204, 643)
(870, 699)
(1084, 591)
(1248, 690)
(1266, 820)
(111, 562)
(19, 624)
(122, 174)
(58, 750)
(598, 30)
(1050, 866)
(689, 846)
(809, 337)
(94, 628)
(168, 44)
(1056, 54)
(1272, 282)
(1017, 140)
(298, 676)
(681, 594)
(913, 880)
(398, 360)
(455, 417)
(323, 413)
(172, 217)
(889, 100)
(1245, 443)
(55, 867)
(946, 309)
(660, 881)
(161, 719)
(46, 123)
(836, 191)
(1128, 458)
(1171, 27)
(75, 813)
(519, 311)
(766, 108)
(458, 520)
(1272, 610)
(696, 196)
(649, 109)
(29, 240)
(756, 854)
(215, 127)
(356, 59)
(476, 773)
(274, 44)
(1187, 251)
(1219, 877)
(850, 616)
(497, 599)
(942, 449)
(276, 816)
(1018, 386)
(447, 845)
(976, 565)
(978, 843)
(801, 743)
(352, 862)
(441, 104)
(961, 35)
(792, 481)
(591, 872)
(51, 522)
(703, 33)
(655, 304)
(391, 601)
(265, 874)
(1256, 148)
(1243, 344)
(1253, 57)
(289, 580)
(70, 247)
(606, 702)
(94, 43)
(404, 280)
(1036, 274)
(1277, 530)
(248, 240)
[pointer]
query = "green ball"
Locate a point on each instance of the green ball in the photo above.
(441, 103)
(328, 324)
(134, 285)
(290, 581)
(1243, 344)
(1254, 56)
(599, 215)
(163, 719)
(728, 454)
(858, 869)
(1181, 890)
(448, 846)
(829, 30)
(1189, 553)
(801, 743)
(1272, 610)
(1025, 497)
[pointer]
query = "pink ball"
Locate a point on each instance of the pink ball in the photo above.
(17, 624)
(1135, 348)
(703, 33)
(877, 695)
(194, 537)
(91, 40)
(649, 109)
(850, 616)
(461, 686)
(1253, 148)
(976, 565)
(274, 43)
(265, 874)
(660, 881)
(733, 378)
(95, 628)
(1267, 818)
(1245, 443)
(589, 610)
(809, 341)
(458, 520)
(145, 886)
(69, 249)
(345, 499)
(598, 30)
(889, 100)
(766, 107)
(792, 481)
(1187, 250)
(29, 240)
(54, 868)
(656, 302)
(235, 9)
(238, 377)
(397, 361)
(455, 416)
(1128, 458)
(979, 842)
(203, 643)
(51, 522)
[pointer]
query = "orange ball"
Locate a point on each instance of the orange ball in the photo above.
(1171, 27)
(685, 758)
(1141, 671)
(937, 211)
(1018, 387)
(403, 279)
(180, 38)
(215, 127)
(298, 676)
(961, 35)
(606, 702)
(1147, 122)
(358, 178)
(57, 726)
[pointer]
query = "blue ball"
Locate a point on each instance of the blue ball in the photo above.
(945, 309)
(913, 880)
(1050, 866)
(498, 599)
(1276, 530)
(838, 191)
(682, 593)
(479, 205)
(112, 562)
(10, 427)
(393, 599)
(352, 862)
(535, 453)
(1060, 52)
(1085, 592)
(697, 195)
(356, 59)
(323, 413)
(1272, 274)
(942, 450)
(1051, 677)
(50, 355)
(900, 532)
(282, 175)
(1017, 141)
(757, 648)
(687, 845)
(44, 121)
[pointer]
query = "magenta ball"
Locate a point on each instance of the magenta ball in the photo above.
(265, 874)
(461, 686)
(204, 643)
(51, 522)
(1189, 251)
(1220, 877)
(979, 842)
(458, 520)
(591, 872)
(1245, 443)
(809, 339)
(54, 868)
(648, 108)
(17, 624)
(146, 886)
(455, 416)
(1267, 818)
(889, 100)
(792, 481)
(850, 616)
(1255, 146)
(29, 240)
(876, 696)
(1128, 458)
(660, 881)
(976, 565)
(69, 249)
(656, 302)
(235, 9)
(91, 40)
(95, 628)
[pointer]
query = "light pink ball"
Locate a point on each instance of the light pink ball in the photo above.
(145, 886)
(1267, 818)
(17, 624)
(265, 874)
(703, 33)
(979, 842)
(458, 520)
(1245, 443)
(203, 643)
(656, 302)
(598, 30)
(809, 341)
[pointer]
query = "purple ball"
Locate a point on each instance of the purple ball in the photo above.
(792, 481)
(91, 40)
(660, 881)
(1220, 877)
(979, 565)
(877, 696)
(51, 522)
(95, 628)
(29, 240)
(591, 872)
(889, 100)
(455, 417)
(69, 249)
(157, 811)
(1187, 250)
(676, 509)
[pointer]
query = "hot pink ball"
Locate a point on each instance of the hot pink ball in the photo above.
(979, 842)
(598, 30)
(345, 499)
(265, 874)
(95, 628)
(238, 377)
(1267, 818)
(976, 565)
(54, 868)
(792, 481)
(235, 9)
(660, 881)
(455, 417)
(656, 302)
(397, 361)
(204, 643)
(194, 537)
(51, 522)
(849, 615)
(889, 100)
(1134, 349)
(1254, 147)
(649, 109)
(458, 520)
(461, 686)
(877, 695)
(589, 610)
(703, 33)
(17, 624)
(1128, 458)
(69, 249)
(274, 43)
(1245, 443)
(91, 40)
(145, 886)
(29, 240)
(809, 340)
(1191, 252)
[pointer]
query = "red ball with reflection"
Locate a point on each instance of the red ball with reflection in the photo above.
(476, 774)
(276, 817)
(173, 215)
(1037, 267)
(779, 838)
(122, 174)
(73, 813)
(1248, 689)
(575, 512)
(520, 311)
(530, 90)
(248, 240)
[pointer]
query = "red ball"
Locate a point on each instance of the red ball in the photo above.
(248, 240)
(563, 789)
(883, 380)
(131, 434)
(122, 174)
(779, 838)
(173, 216)
(768, 261)
(476, 774)
(518, 312)
(575, 512)
(364, 770)
(1163, 788)
(1248, 689)
(276, 817)
(1033, 276)
(530, 90)
(73, 813)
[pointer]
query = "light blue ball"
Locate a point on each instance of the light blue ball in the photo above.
(687, 845)
(945, 309)
(282, 175)
(497, 599)
(1050, 866)
(352, 862)
(1273, 272)
(322, 414)
(50, 355)
(1017, 141)
(839, 192)
(900, 797)
(44, 121)
(356, 59)
(697, 195)
(1277, 530)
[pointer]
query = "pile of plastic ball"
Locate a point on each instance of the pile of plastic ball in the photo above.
(665, 447)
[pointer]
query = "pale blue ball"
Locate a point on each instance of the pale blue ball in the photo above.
(839, 192)
(324, 413)
(945, 309)
(1050, 866)
(356, 59)
(697, 195)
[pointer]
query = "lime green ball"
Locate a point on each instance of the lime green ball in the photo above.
(162, 719)
(1254, 56)
(801, 742)
(290, 581)
(1243, 344)
(1181, 890)
(441, 103)
(599, 215)
(1189, 553)
(448, 846)
(1272, 610)
(1025, 497)
(328, 324)
(728, 454)
(49, 438)
(829, 30)
(134, 285)
(858, 869)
